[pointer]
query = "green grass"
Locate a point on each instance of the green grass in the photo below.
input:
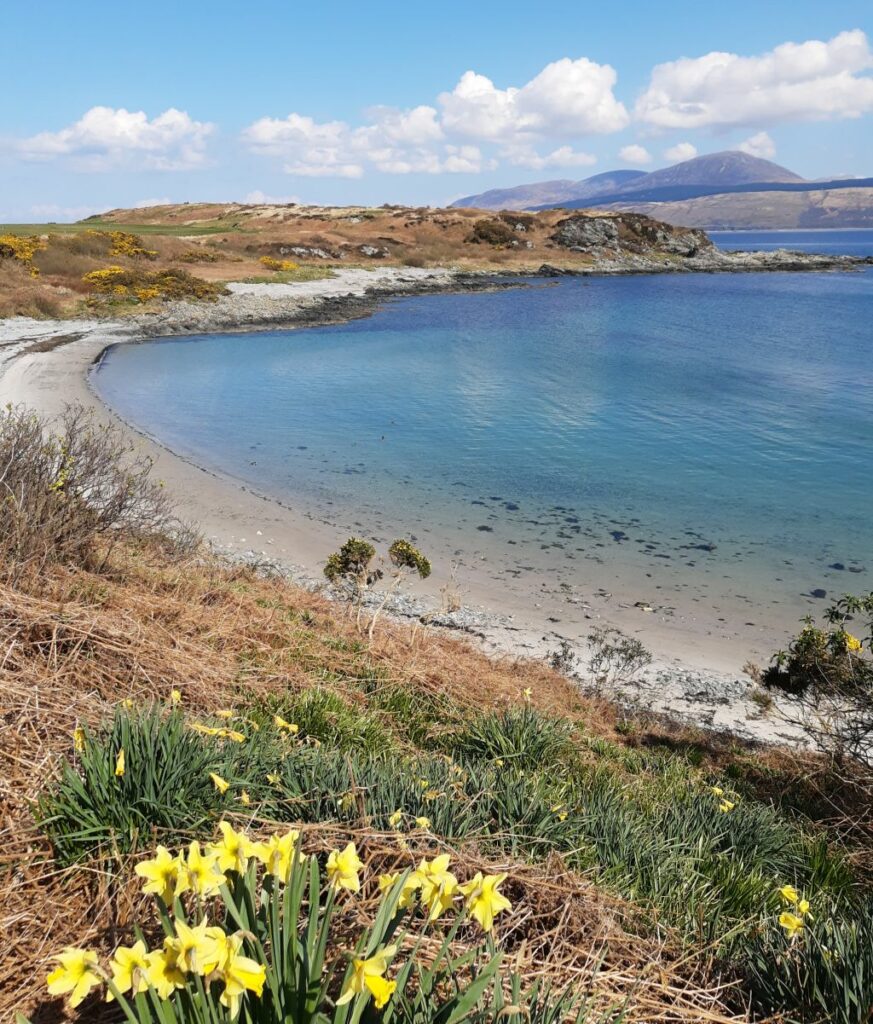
(306, 273)
(52, 228)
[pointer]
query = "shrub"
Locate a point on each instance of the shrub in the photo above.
(119, 283)
(68, 484)
(615, 657)
(273, 264)
(521, 737)
(828, 676)
(22, 248)
(491, 232)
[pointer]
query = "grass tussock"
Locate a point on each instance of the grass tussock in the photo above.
(150, 691)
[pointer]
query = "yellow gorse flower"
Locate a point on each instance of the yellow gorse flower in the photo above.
(75, 976)
(369, 976)
(343, 867)
(853, 643)
(130, 967)
(483, 900)
(165, 875)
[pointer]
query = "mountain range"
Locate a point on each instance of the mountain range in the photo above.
(718, 190)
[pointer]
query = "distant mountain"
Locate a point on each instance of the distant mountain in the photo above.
(709, 173)
(542, 193)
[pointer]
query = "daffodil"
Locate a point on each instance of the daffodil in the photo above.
(343, 867)
(716, 791)
(369, 976)
(244, 798)
(76, 975)
(175, 696)
(220, 784)
(165, 875)
(224, 713)
(198, 949)
(789, 894)
(207, 730)
(202, 870)
(163, 972)
(130, 967)
(240, 974)
(423, 822)
(527, 693)
(233, 735)
(234, 850)
(483, 900)
(438, 885)
(277, 854)
(792, 924)
(273, 778)
(119, 762)
(407, 893)
(803, 908)
(281, 724)
(78, 739)
(726, 806)
(395, 819)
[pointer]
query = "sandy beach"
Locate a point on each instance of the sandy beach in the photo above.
(696, 674)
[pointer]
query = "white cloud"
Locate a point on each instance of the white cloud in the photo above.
(104, 138)
(259, 198)
(563, 156)
(760, 145)
(681, 151)
(568, 98)
(310, 148)
(54, 212)
(809, 81)
(635, 154)
(144, 204)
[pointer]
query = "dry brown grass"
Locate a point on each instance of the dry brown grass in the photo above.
(73, 643)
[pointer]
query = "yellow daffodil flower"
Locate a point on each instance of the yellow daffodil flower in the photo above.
(792, 924)
(716, 791)
(273, 778)
(726, 806)
(343, 867)
(198, 949)
(368, 976)
(277, 854)
(176, 696)
(438, 885)
(207, 730)
(234, 850)
(76, 975)
(803, 908)
(232, 734)
(289, 727)
(202, 870)
(407, 893)
(165, 875)
(164, 974)
(127, 704)
(244, 798)
(240, 974)
(119, 763)
(423, 822)
(220, 784)
(395, 819)
(527, 693)
(224, 713)
(78, 739)
(789, 894)
(130, 967)
(483, 900)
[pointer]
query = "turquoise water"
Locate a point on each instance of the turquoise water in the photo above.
(702, 434)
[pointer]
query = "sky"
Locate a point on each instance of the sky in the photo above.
(387, 102)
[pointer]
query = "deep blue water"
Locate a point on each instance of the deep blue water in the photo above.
(849, 242)
(636, 421)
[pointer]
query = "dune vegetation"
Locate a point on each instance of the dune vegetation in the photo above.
(226, 797)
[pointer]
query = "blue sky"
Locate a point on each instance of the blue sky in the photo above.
(119, 104)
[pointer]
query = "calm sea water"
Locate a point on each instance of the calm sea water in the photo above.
(705, 434)
(849, 242)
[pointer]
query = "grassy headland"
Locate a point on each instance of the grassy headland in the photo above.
(152, 691)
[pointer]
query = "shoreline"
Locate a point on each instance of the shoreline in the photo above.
(693, 677)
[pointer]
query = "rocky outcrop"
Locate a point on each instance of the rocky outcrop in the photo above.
(629, 233)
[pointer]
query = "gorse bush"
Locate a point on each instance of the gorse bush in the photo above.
(68, 487)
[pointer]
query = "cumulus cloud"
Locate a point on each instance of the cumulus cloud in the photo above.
(760, 144)
(104, 138)
(814, 80)
(681, 151)
(569, 98)
(635, 154)
(468, 131)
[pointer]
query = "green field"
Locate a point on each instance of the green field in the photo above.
(101, 225)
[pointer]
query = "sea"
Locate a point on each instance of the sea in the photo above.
(700, 439)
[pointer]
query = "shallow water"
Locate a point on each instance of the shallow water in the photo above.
(693, 439)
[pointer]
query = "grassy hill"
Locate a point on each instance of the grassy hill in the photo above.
(154, 695)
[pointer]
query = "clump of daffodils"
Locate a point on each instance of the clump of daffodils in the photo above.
(793, 919)
(225, 904)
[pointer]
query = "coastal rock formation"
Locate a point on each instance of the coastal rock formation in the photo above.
(632, 233)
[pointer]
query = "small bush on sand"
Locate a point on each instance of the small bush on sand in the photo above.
(273, 264)
(117, 283)
(614, 657)
(828, 677)
(67, 486)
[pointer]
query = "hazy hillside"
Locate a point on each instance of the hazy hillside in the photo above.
(728, 168)
(541, 193)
